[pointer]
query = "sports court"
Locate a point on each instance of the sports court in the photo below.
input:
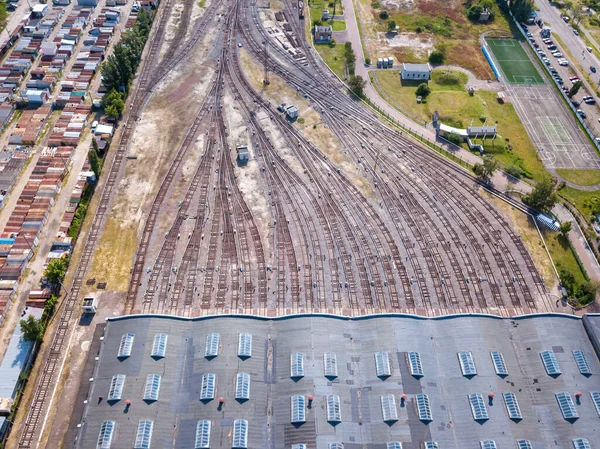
(514, 62)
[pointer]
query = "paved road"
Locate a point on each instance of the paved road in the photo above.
(551, 15)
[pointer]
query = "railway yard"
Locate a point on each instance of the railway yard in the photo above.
(333, 212)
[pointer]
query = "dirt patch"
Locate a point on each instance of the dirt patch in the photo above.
(476, 63)
(524, 225)
(249, 178)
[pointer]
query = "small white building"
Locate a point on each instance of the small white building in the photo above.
(415, 71)
(39, 10)
(292, 112)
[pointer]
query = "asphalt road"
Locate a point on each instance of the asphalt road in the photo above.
(551, 15)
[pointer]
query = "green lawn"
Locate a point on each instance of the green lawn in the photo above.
(317, 6)
(333, 57)
(337, 25)
(562, 255)
(457, 108)
(514, 62)
(586, 202)
(580, 177)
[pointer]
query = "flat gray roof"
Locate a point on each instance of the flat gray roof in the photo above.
(411, 67)
(354, 342)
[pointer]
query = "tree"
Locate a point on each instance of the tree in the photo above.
(474, 12)
(423, 90)
(384, 15)
(486, 170)
(542, 197)
(391, 26)
(94, 162)
(564, 228)
(357, 84)
(521, 9)
(3, 15)
(32, 329)
(575, 88)
(577, 13)
(56, 270)
(436, 57)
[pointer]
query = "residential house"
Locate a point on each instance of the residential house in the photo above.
(415, 71)
(322, 34)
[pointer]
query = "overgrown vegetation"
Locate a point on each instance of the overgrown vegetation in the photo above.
(357, 85)
(119, 68)
(350, 58)
(3, 16)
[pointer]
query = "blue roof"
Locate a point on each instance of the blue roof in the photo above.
(15, 358)
(548, 221)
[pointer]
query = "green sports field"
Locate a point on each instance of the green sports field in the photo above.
(514, 62)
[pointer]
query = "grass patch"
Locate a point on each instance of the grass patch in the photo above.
(562, 255)
(580, 177)
(457, 108)
(81, 211)
(586, 202)
(202, 3)
(337, 25)
(316, 8)
(114, 255)
(334, 58)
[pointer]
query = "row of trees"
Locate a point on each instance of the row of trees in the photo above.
(119, 68)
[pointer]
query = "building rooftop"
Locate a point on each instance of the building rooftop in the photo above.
(323, 29)
(416, 67)
(314, 380)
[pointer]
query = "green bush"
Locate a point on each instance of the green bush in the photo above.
(453, 138)
(384, 15)
(423, 90)
(436, 57)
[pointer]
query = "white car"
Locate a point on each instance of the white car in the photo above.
(546, 61)
(557, 54)
(563, 62)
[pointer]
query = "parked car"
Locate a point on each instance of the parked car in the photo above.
(573, 79)
(590, 101)
(593, 69)
(581, 113)
(586, 97)
(589, 49)
(557, 54)
(546, 61)
(575, 103)
(552, 70)
(551, 47)
(566, 19)
(536, 45)
(565, 89)
(575, 32)
(529, 35)
(560, 81)
(563, 62)
(542, 53)
(547, 41)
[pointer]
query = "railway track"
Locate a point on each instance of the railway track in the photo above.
(325, 101)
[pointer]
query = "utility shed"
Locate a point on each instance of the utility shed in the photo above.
(39, 10)
(242, 153)
(292, 112)
(342, 376)
(415, 71)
